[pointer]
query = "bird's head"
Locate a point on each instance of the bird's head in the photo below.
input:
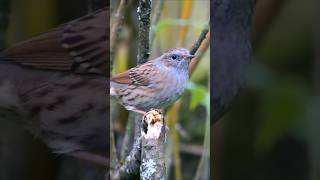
(177, 57)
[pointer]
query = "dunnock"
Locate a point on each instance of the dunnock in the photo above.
(54, 84)
(154, 84)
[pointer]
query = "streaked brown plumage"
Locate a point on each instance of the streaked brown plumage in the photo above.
(154, 84)
(79, 46)
(54, 84)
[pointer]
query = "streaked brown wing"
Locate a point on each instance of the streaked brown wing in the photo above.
(86, 39)
(80, 45)
(43, 51)
(139, 75)
(122, 78)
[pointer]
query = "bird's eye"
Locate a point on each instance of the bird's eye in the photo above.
(174, 57)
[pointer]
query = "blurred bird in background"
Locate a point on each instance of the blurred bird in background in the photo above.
(54, 85)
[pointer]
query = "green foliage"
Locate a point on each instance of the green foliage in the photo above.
(282, 105)
(165, 23)
(199, 95)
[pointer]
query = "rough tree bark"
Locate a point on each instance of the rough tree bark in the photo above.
(230, 51)
(230, 54)
(153, 137)
(144, 13)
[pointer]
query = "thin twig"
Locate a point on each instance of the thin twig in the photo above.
(203, 170)
(156, 19)
(200, 52)
(117, 21)
(114, 162)
(201, 37)
(127, 137)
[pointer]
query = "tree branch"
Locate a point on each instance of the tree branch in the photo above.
(199, 47)
(201, 37)
(230, 49)
(144, 12)
(152, 146)
(130, 168)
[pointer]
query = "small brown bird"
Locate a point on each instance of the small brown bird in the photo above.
(54, 84)
(79, 46)
(154, 84)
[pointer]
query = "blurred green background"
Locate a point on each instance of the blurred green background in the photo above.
(273, 129)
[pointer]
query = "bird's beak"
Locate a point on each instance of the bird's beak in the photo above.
(189, 57)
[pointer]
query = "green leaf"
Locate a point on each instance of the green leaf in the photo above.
(198, 95)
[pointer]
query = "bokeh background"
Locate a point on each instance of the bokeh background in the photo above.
(272, 130)
(179, 25)
(23, 156)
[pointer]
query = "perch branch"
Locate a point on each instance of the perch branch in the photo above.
(131, 166)
(152, 146)
(148, 150)
(132, 162)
